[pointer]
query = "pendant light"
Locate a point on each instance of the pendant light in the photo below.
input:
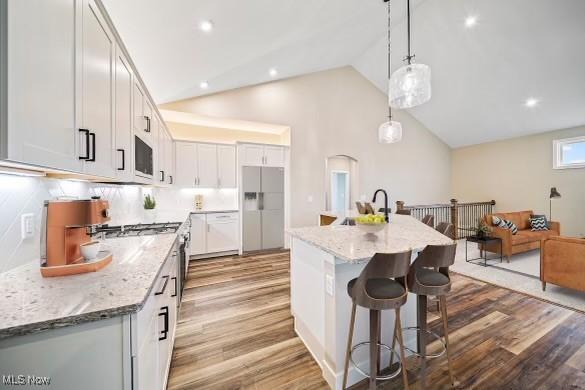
(391, 131)
(410, 86)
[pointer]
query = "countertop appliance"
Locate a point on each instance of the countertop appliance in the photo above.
(66, 224)
(263, 208)
(145, 229)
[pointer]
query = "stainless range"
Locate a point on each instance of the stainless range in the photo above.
(148, 229)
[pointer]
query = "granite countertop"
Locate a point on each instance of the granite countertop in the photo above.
(163, 216)
(213, 211)
(349, 243)
(30, 303)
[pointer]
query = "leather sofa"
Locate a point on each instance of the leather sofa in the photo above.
(562, 262)
(523, 241)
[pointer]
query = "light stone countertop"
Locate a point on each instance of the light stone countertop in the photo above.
(30, 303)
(163, 216)
(349, 243)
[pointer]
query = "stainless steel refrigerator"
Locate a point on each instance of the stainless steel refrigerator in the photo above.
(263, 216)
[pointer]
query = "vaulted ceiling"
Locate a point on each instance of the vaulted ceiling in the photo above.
(481, 76)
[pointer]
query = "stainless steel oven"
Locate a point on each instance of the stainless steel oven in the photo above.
(143, 160)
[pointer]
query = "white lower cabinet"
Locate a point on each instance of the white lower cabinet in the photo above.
(214, 233)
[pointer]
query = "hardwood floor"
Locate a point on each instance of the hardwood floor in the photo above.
(235, 332)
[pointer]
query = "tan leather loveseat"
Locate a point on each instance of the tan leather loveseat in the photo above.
(523, 241)
(562, 262)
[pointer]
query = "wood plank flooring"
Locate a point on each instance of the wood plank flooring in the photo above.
(235, 331)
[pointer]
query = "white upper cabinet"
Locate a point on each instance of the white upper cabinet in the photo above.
(41, 76)
(274, 156)
(207, 166)
(185, 164)
(170, 159)
(263, 155)
(226, 166)
(97, 86)
(165, 158)
(204, 165)
(123, 115)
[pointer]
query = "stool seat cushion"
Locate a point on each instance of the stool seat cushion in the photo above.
(430, 277)
(380, 288)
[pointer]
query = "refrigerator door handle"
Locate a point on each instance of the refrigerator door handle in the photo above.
(261, 201)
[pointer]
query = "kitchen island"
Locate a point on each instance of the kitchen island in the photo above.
(323, 260)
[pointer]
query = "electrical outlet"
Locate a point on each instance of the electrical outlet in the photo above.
(27, 225)
(329, 284)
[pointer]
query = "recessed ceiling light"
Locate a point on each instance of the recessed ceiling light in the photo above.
(206, 26)
(531, 102)
(204, 85)
(273, 72)
(470, 21)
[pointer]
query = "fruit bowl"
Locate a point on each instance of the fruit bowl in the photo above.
(370, 224)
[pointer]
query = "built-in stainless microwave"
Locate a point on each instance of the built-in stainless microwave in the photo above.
(143, 163)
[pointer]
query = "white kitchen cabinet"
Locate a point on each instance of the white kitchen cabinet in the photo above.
(185, 164)
(165, 157)
(169, 159)
(207, 166)
(222, 232)
(262, 155)
(41, 73)
(214, 233)
(198, 234)
(226, 166)
(97, 92)
(123, 115)
(252, 154)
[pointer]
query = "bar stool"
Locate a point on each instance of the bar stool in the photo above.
(429, 276)
(447, 229)
(429, 220)
(403, 212)
(380, 286)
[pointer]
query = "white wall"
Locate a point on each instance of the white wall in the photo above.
(518, 174)
(337, 112)
(20, 195)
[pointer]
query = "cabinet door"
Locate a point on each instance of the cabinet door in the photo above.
(123, 115)
(252, 154)
(170, 160)
(186, 164)
(198, 234)
(98, 54)
(161, 153)
(222, 235)
(274, 156)
(150, 121)
(41, 72)
(148, 356)
(139, 120)
(207, 166)
(226, 166)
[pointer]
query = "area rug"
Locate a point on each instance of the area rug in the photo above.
(522, 274)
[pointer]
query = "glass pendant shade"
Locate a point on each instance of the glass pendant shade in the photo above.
(410, 86)
(390, 132)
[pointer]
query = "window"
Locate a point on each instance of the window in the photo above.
(569, 153)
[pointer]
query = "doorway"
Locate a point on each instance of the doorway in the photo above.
(339, 191)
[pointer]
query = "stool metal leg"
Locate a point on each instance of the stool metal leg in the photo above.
(443, 305)
(422, 337)
(349, 341)
(398, 334)
(374, 332)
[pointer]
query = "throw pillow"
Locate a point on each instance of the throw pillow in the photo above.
(539, 216)
(538, 223)
(510, 225)
(505, 224)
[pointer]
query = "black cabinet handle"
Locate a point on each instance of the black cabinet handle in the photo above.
(92, 136)
(165, 314)
(166, 278)
(176, 287)
(162, 176)
(170, 179)
(147, 124)
(86, 132)
(123, 160)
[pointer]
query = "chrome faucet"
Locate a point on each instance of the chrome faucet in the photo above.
(385, 203)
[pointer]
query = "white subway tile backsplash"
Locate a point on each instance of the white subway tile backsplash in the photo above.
(20, 195)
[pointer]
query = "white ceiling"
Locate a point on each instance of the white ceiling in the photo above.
(480, 77)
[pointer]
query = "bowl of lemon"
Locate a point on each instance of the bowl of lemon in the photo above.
(370, 223)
